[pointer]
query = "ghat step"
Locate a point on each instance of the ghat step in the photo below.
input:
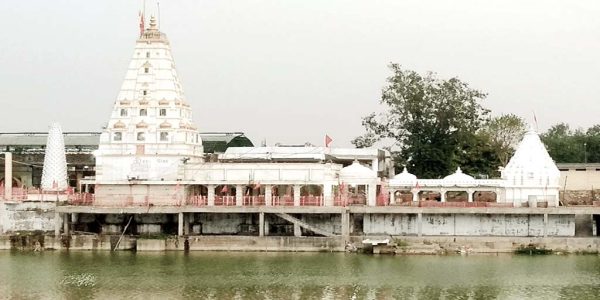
(304, 225)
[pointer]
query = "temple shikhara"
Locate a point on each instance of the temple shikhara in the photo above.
(153, 174)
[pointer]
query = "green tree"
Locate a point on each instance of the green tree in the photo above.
(504, 133)
(435, 124)
(573, 146)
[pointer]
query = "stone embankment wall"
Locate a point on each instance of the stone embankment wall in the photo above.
(26, 216)
(469, 225)
(466, 245)
(404, 244)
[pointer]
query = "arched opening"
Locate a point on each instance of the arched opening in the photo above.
(457, 196)
(357, 194)
(16, 183)
(197, 195)
(283, 195)
(430, 196)
(253, 194)
(403, 196)
(311, 195)
(225, 195)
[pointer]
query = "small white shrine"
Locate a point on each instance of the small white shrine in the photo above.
(531, 175)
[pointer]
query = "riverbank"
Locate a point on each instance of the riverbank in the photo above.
(401, 244)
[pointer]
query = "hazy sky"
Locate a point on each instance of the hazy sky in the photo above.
(291, 71)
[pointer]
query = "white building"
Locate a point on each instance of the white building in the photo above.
(151, 154)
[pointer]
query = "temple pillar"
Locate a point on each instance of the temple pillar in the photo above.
(297, 230)
(296, 195)
(186, 223)
(57, 222)
(261, 224)
(327, 194)
(239, 195)
(470, 195)
(545, 224)
(372, 195)
(211, 195)
(8, 175)
(268, 194)
(345, 225)
(420, 224)
(180, 224)
(415, 196)
(443, 195)
(65, 220)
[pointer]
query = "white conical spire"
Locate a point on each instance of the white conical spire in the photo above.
(531, 160)
(150, 130)
(54, 174)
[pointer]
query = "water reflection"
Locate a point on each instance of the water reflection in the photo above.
(110, 275)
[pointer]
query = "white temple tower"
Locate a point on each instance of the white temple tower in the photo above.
(54, 173)
(531, 175)
(150, 133)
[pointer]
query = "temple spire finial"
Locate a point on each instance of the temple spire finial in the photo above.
(153, 22)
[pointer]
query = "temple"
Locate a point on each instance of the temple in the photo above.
(151, 169)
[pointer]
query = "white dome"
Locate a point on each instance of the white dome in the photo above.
(458, 177)
(357, 171)
(405, 176)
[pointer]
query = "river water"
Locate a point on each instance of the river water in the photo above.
(236, 275)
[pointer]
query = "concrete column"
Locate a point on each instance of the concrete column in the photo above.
(443, 195)
(57, 222)
(66, 223)
(8, 175)
(180, 224)
(79, 177)
(261, 224)
(211, 195)
(239, 194)
(345, 225)
(470, 195)
(297, 230)
(266, 232)
(186, 223)
(268, 194)
(296, 195)
(415, 195)
(328, 194)
(372, 194)
(420, 224)
(545, 224)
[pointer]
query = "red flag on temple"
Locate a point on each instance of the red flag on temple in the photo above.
(417, 186)
(328, 140)
(224, 189)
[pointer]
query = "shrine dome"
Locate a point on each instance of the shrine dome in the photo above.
(357, 171)
(405, 176)
(458, 178)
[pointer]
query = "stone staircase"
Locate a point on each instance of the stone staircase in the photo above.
(304, 225)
